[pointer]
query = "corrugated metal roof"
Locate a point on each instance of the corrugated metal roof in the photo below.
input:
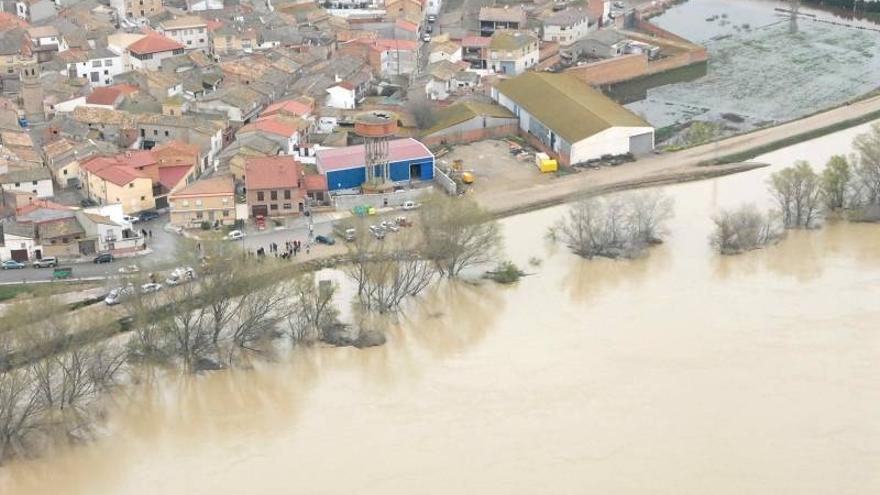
(566, 105)
(354, 156)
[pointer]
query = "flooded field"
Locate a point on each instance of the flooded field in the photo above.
(680, 373)
(763, 67)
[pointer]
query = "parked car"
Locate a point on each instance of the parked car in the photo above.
(325, 239)
(103, 258)
(130, 219)
(85, 203)
(46, 262)
(403, 221)
(127, 269)
(389, 226)
(150, 288)
(12, 265)
(117, 295)
(429, 28)
(350, 234)
(377, 231)
(146, 216)
(432, 18)
(180, 275)
(235, 235)
(426, 37)
(410, 205)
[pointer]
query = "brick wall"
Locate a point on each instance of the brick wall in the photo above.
(612, 70)
(471, 136)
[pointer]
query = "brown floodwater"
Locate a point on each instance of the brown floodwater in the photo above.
(680, 373)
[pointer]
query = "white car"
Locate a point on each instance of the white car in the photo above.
(180, 275)
(410, 205)
(116, 295)
(235, 235)
(151, 287)
(426, 37)
(389, 226)
(130, 219)
(129, 269)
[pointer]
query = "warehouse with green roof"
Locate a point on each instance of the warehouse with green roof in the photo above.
(571, 119)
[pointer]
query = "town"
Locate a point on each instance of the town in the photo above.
(127, 126)
(440, 246)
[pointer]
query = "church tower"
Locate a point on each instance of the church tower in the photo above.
(32, 92)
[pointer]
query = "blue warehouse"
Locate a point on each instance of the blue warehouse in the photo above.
(345, 168)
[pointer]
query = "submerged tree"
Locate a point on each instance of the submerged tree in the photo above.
(867, 170)
(622, 225)
(744, 229)
(457, 234)
(797, 191)
(836, 183)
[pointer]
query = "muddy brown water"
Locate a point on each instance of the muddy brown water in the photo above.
(680, 373)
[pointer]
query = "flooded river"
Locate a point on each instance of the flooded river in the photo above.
(680, 373)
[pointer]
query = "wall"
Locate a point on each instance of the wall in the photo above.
(613, 141)
(469, 135)
(185, 210)
(396, 198)
(276, 207)
(128, 197)
(43, 187)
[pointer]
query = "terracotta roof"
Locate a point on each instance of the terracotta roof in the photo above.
(176, 152)
(400, 45)
(407, 25)
(274, 124)
(170, 177)
(100, 219)
(354, 156)
(104, 96)
(274, 172)
(475, 41)
(503, 14)
(154, 43)
(215, 186)
(294, 107)
(346, 85)
(315, 182)
(120, 175)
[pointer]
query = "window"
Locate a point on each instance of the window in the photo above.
(155, 132)
(95, 77)
(166, 133)
(64, 172)
(273, 207)
(287, 194)
(273, 195)
(225, 200)
(287, 206)
(108, 62)
(143, 198)
(198, 202)
(185, 203)
(34, 182)
(201, 40)
(200, 214)
(96, 63)
(131, 185)
(225, 213)
(17, 184)
(260, 196)
(106, 72)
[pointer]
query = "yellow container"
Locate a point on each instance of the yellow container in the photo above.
(546, 166)
(467, 177)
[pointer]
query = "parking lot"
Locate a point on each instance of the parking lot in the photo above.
(494, 167)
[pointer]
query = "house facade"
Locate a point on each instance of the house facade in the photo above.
(210, 200)
(274, 186)
(189, 31)
(513, 52)
(99, 68)
(568, 26)
(32, 180)
(345, 168)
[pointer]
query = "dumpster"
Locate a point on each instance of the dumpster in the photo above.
(61, 273)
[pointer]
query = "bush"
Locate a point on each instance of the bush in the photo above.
(744, 229)
(505, 273)
(205, 225)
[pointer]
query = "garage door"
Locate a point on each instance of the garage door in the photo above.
(19, 254)
(641, 144)
(260, 210)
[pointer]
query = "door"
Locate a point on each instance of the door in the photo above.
(20, 255)
(260, 210)
(508, 67)
(415, 171)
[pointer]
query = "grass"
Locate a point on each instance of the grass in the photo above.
(8, 292)
(792, 140)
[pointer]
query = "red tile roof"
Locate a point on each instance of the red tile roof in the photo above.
(400, 45)
(274, 172)
(476, 41)
(170, 177)
(407, 25)
(346, 85)
(354, 156)
(154, 43)
(315, 182)
(119, 169)
(297, 108)
(104, 96)
(176, 153)
(120, 175)
(275, 124)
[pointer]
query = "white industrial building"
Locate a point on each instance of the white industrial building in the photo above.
(571, 119)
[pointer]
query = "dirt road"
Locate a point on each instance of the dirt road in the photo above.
(665, 169)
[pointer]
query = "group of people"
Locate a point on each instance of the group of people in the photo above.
(290, 249)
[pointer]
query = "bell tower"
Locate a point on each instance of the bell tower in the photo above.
(32, 91)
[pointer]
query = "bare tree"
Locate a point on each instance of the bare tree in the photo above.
(21, 413)
(797, 191)
(314, 310)
(457, 234)
(744, 229)
(620, 225)
(423, 113)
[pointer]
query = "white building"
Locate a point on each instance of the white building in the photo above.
(202, 5)
(18, 242)
(434, 7)
(448, 51)
(573, 121)
(189, 31)
(31, 180)
(568, 26)
(342, 95)
(148, 52)
(101, 66)
(512, 52)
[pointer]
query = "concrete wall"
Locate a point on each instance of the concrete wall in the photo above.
(613, 141)
(396, 198)
(475, 129)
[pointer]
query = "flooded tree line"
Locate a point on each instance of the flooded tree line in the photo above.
(235, 311)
